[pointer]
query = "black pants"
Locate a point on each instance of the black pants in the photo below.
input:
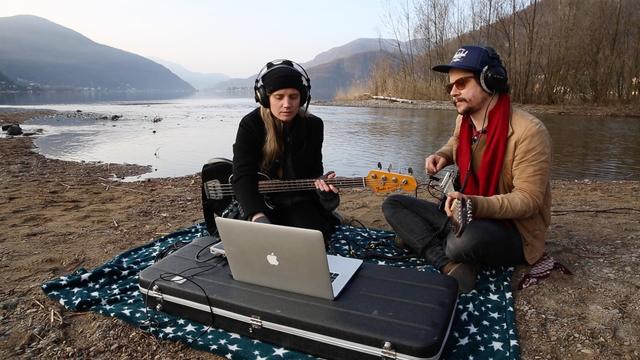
(306, 214)
(424, 230)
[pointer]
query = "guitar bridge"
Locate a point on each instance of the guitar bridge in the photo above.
(213, 190)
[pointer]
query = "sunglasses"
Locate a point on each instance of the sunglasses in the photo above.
(460, 83)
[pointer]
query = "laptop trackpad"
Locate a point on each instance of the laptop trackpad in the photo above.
(345, 268)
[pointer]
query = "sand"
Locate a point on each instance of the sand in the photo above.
(58, 216)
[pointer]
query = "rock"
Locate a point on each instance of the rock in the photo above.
(14, 130)
(157, 119)
(115, 117)
(78, 111)
(104, 117)
(10, 304)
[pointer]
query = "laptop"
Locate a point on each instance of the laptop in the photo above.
(284, 258)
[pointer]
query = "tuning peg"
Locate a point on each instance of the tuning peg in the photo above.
(390, 167)
(410, 170)
(379, 166)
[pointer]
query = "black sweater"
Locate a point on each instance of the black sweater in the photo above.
(301, 159)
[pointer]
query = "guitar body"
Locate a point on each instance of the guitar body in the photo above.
(217, 170)
(216, 197)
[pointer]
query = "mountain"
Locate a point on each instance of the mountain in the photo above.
(200, 81)
(341, 74)
(37, 51)
(335, 69)
(357, 46)
(7, 85)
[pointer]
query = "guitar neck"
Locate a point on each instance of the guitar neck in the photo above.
(271, 186)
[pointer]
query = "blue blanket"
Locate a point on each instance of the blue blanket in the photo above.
(484, 325)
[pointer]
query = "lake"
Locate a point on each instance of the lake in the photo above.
(189, 131)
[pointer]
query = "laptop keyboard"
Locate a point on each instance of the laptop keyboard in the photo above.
(333, 276)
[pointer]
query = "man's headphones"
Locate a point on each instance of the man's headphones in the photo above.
(261, 95)
(493, 77)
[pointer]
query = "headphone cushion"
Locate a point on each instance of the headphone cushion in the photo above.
(494, 79)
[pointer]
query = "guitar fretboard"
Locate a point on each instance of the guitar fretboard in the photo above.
(269, 186)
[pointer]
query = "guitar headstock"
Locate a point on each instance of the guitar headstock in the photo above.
(384, 181)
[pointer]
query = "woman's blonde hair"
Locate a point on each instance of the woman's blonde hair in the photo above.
(273, 142)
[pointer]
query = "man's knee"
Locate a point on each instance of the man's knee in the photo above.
(391, 202)
(459, 249)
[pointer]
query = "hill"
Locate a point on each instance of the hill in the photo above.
(330, 71)
(200, 81)
(343, 73)
(357, 46)
(7, 85)
(37, 51)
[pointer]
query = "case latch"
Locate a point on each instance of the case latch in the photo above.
(255, 323)
(387, 351)
(157, 294)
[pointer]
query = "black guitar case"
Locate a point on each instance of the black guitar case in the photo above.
(384, 312)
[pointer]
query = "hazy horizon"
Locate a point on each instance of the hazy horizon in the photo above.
(232, 38)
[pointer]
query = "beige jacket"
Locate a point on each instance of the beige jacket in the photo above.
(524, 189)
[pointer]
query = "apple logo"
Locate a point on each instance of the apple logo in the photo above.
(272, 259)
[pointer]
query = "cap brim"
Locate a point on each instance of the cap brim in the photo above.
(447, 67)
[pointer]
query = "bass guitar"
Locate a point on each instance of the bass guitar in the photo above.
(217, 191)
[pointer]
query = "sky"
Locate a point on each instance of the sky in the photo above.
(233, 37)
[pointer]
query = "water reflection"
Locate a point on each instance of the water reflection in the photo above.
(86, 97)
(194, 130)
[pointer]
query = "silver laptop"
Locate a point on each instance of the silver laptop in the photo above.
(284, 258)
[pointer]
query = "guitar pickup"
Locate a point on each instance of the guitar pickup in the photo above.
(213, 190)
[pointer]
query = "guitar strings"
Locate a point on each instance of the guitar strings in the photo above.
(304, 184)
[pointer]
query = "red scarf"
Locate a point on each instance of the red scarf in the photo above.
(485, 182)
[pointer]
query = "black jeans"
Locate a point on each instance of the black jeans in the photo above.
(305, 214)
(424, 230)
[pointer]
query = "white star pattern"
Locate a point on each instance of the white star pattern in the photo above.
(279, 352)
(117, 294)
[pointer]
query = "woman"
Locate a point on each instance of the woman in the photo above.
(283, 141)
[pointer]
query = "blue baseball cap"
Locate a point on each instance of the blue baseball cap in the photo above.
(469, 57)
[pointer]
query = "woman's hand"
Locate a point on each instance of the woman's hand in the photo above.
(323, 186)
(261, 218)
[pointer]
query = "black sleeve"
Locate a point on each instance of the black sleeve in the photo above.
(318, 138)
(328, 200)
(247, 154)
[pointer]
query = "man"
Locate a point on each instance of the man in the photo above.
(504, 161)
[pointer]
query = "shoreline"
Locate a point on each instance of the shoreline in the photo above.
(574, 110)
(58, 216)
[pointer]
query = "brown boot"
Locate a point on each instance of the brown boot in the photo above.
(399, 242)
(464, 273)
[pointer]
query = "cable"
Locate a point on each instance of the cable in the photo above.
(365, 252)
(616, 210)
(165, 277)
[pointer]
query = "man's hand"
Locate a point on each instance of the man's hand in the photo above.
(323, 186)
(450, 205)
(434, 163)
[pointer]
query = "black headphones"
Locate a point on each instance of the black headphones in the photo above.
(493, 77)
(261, 95)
